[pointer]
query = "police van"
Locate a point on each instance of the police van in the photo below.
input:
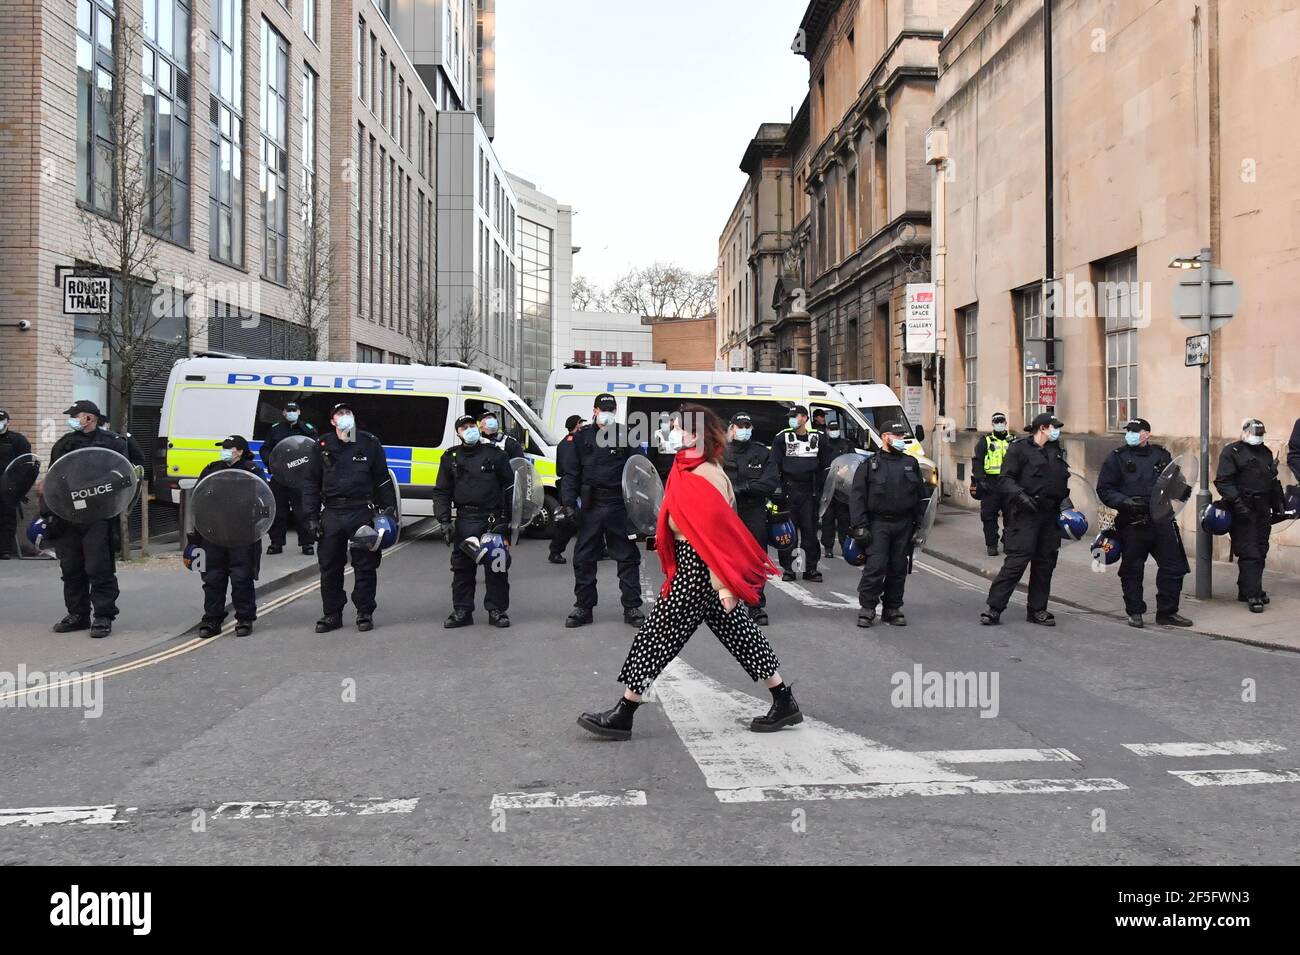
(878, 403)
(650, 392)
(412, 409)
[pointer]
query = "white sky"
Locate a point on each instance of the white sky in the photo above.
(637, 114)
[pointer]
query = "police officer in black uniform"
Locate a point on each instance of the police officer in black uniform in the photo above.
(562, 531)
(986, 474)
(591, 464)
(748, 464)
(350, 484)
(1293, 450)
(489, 428)
(13, 444)
(1035, 483)
(886, 508)
(835, 522)
(288, 501)
(86, 550)
(134, 453)
(1247, 481)
(1127, 483)
(238, 565)
(477, 477)
(801, 458)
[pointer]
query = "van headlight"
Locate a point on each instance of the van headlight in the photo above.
(930, 474)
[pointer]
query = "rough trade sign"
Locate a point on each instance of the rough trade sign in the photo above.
(85, 295)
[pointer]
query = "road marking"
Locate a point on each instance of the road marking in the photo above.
(999, 756)
(1022, 787)
(1235, 777)
(1228, 747)
(61, 816)
(291, 808)
(579, 800)
(807, 599)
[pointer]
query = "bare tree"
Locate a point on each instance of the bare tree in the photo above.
(466, 331)
(665, 289)
(311, 279)
(587, 296)
(426, 331)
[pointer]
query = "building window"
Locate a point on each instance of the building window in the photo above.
(226, 136)
(595, 359)
(308, 143)
(627, 359)
(381, 91)
(359, 83)
(166, 118)
(1030, 324)
(274, 173)
(96, 67)
(1116, 301)
(970, 362)
(580, 356)
(611, 358)
(309, 19)
(401, 100)
(361, 214)
(367, 354)
(420, 158)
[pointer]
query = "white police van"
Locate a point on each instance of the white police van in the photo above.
(877, 403)
(647, 392)
(412, 409)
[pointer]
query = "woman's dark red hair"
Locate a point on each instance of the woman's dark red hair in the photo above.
(707, 428)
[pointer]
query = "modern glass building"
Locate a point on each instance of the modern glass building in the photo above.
(545, 278)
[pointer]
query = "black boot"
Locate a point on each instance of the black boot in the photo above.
(990, 617)
(788, 575)
(614, 723)
(71, 622)
(991, 550)
(784, 711)
(101, 628)
(309, 550)
(365, 622)
(274, 549)
(458, 618)
(633, 616)
(1172, 619)
(894, 618)
(498, 618)
(865, 620)
(814, 575)
(331, 621)
(243, 628)
(580, 616)
(557, 559)
(1041, 617)
(209, 628)
(758, 615)
(1135, 620)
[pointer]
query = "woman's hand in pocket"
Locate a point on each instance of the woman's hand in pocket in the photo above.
(729, 602)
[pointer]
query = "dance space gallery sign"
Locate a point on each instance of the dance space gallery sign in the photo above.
(921, 319)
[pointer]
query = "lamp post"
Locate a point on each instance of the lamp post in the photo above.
(1204, 542)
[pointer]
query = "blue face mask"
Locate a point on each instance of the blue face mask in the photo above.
(489, 424)
(74, 424)
(1132, 438)
(1054, 434)
(227, 454)
(470, 435)
(345, 422)
(744, 434)
(1000, 427)
(291, 417)
(794, 423)
(605, 418)
(898, 444)
(4, 426)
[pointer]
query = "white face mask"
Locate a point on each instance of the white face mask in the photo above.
(227, 454)
(74, 424)
(605, 418)
(1054, 434)
(833, 431)
(291, 417)
(1000, 427)
(744, 434)
(4, 426)
(345, 423)
(678, 440)
(1254, 439)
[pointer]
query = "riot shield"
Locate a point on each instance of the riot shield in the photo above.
(924, 532)
(643, 493)
(232, 507)
(397, 507)
(528, 497)
(1174, 487)
(90, 484)
(19, 477)
(839, 480)
(293, 459)
(1084, 498)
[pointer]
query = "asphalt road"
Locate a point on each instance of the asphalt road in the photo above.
(415, 744)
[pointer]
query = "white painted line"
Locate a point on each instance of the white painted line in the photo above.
(61, 816)
(849, 601)
(1235, 777)
(1022, 787)
(808, 599)
(291, 808)
(1228, 747)
(999, 756)
(579, 800)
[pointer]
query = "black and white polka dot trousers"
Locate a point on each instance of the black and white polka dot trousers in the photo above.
(676, 617)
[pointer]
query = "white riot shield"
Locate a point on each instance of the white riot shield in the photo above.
(925, 531)
(90, 484)
(839, 480)
(528, 497)
(1084, 497)
(19, 476)
(293, 459)
(1174, 487)
(643, 493)
(232, 508)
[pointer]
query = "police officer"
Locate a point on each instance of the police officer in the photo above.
(86, 550)
(476, 476)
(1128, 483)
(1247, 481)
(134, 453)
(748, 464)
(986, 471)
(1035, 484)
(801, 459)
(591, 462)
(238, 565)
(1293, 450)
(490, 433)
(886, 508)
(350, 484)
(288, 501)
(835, 522)
(13, 444)
(562, 531)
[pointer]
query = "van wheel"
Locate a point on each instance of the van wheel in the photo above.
(543, 524)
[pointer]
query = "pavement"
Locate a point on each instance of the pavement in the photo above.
(942, 742)
(1081, 583)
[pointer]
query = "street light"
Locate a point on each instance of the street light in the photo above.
(1185, 262)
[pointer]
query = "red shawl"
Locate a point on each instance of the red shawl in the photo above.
(714, 530)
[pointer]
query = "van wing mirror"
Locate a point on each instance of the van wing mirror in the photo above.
(920, 432)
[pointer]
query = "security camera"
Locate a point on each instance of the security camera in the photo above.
(24, 325)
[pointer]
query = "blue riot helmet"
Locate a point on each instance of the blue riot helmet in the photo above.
(853, 553)
(1073, 524)
(1106, 548)
(1217, 519)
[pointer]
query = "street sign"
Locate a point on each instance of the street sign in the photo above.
(86, 295)
(920, 323)
(1225, 297)
(1047, 390)
(1198, 351)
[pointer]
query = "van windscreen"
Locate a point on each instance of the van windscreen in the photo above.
(769, 416)
(416, 421)
(881, 414)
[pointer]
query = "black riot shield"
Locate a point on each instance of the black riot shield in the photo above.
(293, 459)
(232, 508)
(643, 493)
(90, 484)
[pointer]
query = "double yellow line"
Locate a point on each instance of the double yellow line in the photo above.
(188, 646)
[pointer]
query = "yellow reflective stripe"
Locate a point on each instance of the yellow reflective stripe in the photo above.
(995, 449)
(545, 469)
(187, 457)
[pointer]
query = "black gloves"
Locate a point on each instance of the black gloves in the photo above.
(1026, 502)
(565, 515)
(1135, 506)
(650, 543)
(862, 534)
(1242, 509)
(313, 527)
